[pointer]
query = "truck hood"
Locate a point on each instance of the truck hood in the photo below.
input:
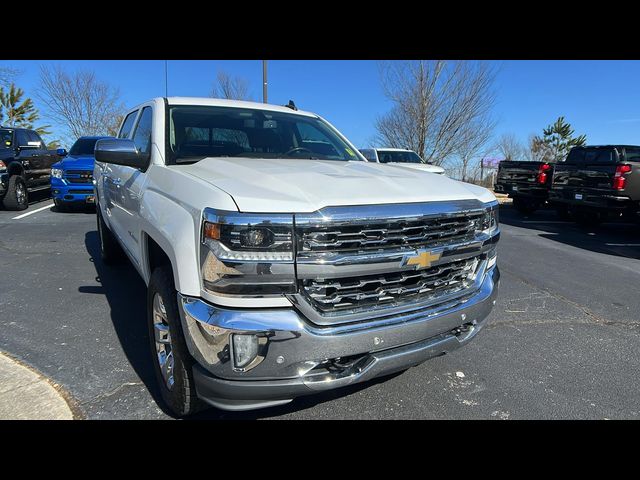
(425, 167)
(81, 162)
(288, 185)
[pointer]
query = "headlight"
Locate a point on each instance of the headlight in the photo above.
(247, 254)
(57, 172)
(490, 220)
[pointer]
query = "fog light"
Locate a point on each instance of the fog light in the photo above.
(245, 349)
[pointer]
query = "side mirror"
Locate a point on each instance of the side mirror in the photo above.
(61, 152)
(121, 151)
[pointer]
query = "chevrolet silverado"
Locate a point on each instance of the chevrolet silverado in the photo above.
(279, 262)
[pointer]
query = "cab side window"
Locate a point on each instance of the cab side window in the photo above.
(142, 135)
(127, 125)
(34, 137)
(22, 139)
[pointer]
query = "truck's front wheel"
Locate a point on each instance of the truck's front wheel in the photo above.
(16, 197)
(171, 358)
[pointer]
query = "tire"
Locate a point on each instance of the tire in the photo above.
(563, 212)
(60, 206)
(177, 386)
(17, 197)
(526, 207)
(110, 251)
(587, 219)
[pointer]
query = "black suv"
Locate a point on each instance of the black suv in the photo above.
(25, 166)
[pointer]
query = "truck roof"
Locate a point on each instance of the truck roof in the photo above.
(392, 149)
(610, 146)
(220, 102)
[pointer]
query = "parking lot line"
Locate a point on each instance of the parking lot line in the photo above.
(544, 221)
(32, 212)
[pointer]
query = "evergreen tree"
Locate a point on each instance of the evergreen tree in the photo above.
(556, 141)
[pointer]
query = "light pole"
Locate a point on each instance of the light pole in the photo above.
(166, 78)
(264, 81)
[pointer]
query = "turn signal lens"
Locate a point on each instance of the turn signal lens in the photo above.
(212, 231)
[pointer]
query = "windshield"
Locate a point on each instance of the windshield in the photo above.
(6, 137)
(83, 146)
(196, 132)
(392, 156)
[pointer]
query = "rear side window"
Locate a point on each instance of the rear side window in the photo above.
(632, 154)
(127, 125)
(142, 135)
(35, 138)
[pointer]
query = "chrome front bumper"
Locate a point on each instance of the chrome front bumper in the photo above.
(291, 362)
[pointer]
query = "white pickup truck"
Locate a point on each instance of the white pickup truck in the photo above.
(279, 262)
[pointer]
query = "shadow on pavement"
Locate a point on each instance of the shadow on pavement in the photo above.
(620, 239)
(126, 293)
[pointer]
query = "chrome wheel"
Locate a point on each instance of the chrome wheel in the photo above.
(21, 194)
(162, 336)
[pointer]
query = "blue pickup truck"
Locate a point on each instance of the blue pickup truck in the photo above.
(72, 177)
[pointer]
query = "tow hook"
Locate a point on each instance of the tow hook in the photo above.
(464, 331)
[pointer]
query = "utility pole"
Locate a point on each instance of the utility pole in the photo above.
(264, 81)
(166, 78)
(481, 170)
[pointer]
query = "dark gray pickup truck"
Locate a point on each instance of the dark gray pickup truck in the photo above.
(528, 183)
(596, 183)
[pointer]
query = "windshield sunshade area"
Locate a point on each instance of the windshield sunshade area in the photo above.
(197, 132)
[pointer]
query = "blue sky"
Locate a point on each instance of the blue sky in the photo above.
(599, 98)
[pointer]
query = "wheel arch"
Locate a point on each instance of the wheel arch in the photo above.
(14, 168)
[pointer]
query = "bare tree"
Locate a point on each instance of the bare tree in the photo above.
(7, 76)
(79, 102)
(510, 148)
(229, 87)
(433, 102)
(473, 142)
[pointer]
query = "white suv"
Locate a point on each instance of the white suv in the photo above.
(401, 157)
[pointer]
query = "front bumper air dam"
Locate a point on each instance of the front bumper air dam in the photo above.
(295, 347)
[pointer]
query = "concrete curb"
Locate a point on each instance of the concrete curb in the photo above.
(25, 394)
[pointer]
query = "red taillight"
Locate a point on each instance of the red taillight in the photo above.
(2, 165)
(542, 173)
(619, 180)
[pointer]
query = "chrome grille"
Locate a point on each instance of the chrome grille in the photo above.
(392, 288)
(393, 233)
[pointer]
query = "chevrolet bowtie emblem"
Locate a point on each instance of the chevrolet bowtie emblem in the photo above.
(422, 260)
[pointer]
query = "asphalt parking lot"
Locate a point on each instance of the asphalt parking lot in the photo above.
(562, 342)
